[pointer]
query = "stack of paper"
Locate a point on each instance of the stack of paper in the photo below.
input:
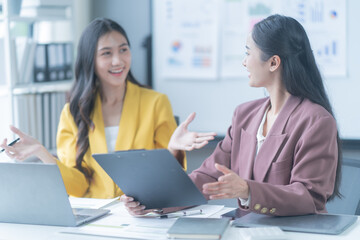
(121, 224)
(198, 228)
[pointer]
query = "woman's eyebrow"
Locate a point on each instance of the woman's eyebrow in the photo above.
(108, 48)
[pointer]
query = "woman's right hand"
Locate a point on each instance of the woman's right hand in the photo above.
(183, 139)
(26, 147)
(133, 207)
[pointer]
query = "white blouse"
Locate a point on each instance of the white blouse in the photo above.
(111, 136)
(260, 140)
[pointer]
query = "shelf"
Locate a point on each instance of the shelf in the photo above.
(33, 88)
(38, 19)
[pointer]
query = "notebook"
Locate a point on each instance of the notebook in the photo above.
(34, 193)
(313, 223)
(198, 228)
(153, 177)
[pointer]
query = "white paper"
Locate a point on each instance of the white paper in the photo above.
(121, 224)
(94, 203)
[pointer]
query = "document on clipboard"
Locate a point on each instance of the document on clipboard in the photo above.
(153, 177)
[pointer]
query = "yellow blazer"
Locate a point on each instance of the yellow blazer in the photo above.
(147, 122)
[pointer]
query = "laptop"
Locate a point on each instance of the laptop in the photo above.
(153, 177)
(34, 193)
(313, 223)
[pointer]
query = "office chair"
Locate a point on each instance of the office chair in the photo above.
(349, 188)
(177, 120)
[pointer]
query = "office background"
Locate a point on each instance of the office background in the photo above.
(138, 19)
(224, 93)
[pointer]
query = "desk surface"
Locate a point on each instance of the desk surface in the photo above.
(23, 231)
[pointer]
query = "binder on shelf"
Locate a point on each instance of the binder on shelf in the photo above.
(54, 119)
(14, 61)
(20, 45)
(52, 62)
(39, 118)
(31, 118)
(61, 100)
(21, 113)
(17, 112)
(27, 66)
(60, 61)
(40, 63)
(68, 60)
(47, 120)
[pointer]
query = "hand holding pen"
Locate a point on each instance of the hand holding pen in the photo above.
(26, 146)
(10, 144)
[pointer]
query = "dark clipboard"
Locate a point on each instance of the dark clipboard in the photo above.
(153, 177)
(314, 223)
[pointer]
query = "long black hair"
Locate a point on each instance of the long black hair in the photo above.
(86, 85)
(285, 37)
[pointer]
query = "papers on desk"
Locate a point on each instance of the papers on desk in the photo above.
(94, 203)
(121, 224)
(130, 227)
(202, 211)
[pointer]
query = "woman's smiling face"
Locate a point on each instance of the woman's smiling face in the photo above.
(113, 59)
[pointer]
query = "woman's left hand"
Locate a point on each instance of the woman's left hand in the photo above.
(229, 185)
(134, 207)
(183, 139)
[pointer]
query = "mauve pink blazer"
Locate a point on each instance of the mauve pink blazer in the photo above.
(294, 171)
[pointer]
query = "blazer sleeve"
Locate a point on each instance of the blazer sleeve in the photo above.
(312, 177)
(165, 124)
(75, 181)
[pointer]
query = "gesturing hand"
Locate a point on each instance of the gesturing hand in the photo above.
(26, 147)
(182, 139)
(229, 185)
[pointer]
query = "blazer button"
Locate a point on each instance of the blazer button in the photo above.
(257, 206)
(264, 210)
(273, 210)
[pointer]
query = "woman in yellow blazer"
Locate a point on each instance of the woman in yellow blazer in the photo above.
(108, 111)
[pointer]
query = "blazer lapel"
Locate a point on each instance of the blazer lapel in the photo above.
(97, 138)
(274, 140)
(129, 118)
(248, 144)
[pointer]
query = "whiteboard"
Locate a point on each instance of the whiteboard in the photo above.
(199, 45)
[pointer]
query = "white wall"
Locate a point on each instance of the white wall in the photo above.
(215, 101)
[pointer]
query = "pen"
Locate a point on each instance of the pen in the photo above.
(10, 144)
(182, 213)
(192, 212)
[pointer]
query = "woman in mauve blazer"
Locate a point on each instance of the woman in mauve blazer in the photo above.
(281, 155)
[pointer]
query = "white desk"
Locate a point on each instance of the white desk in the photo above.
(23, 231)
